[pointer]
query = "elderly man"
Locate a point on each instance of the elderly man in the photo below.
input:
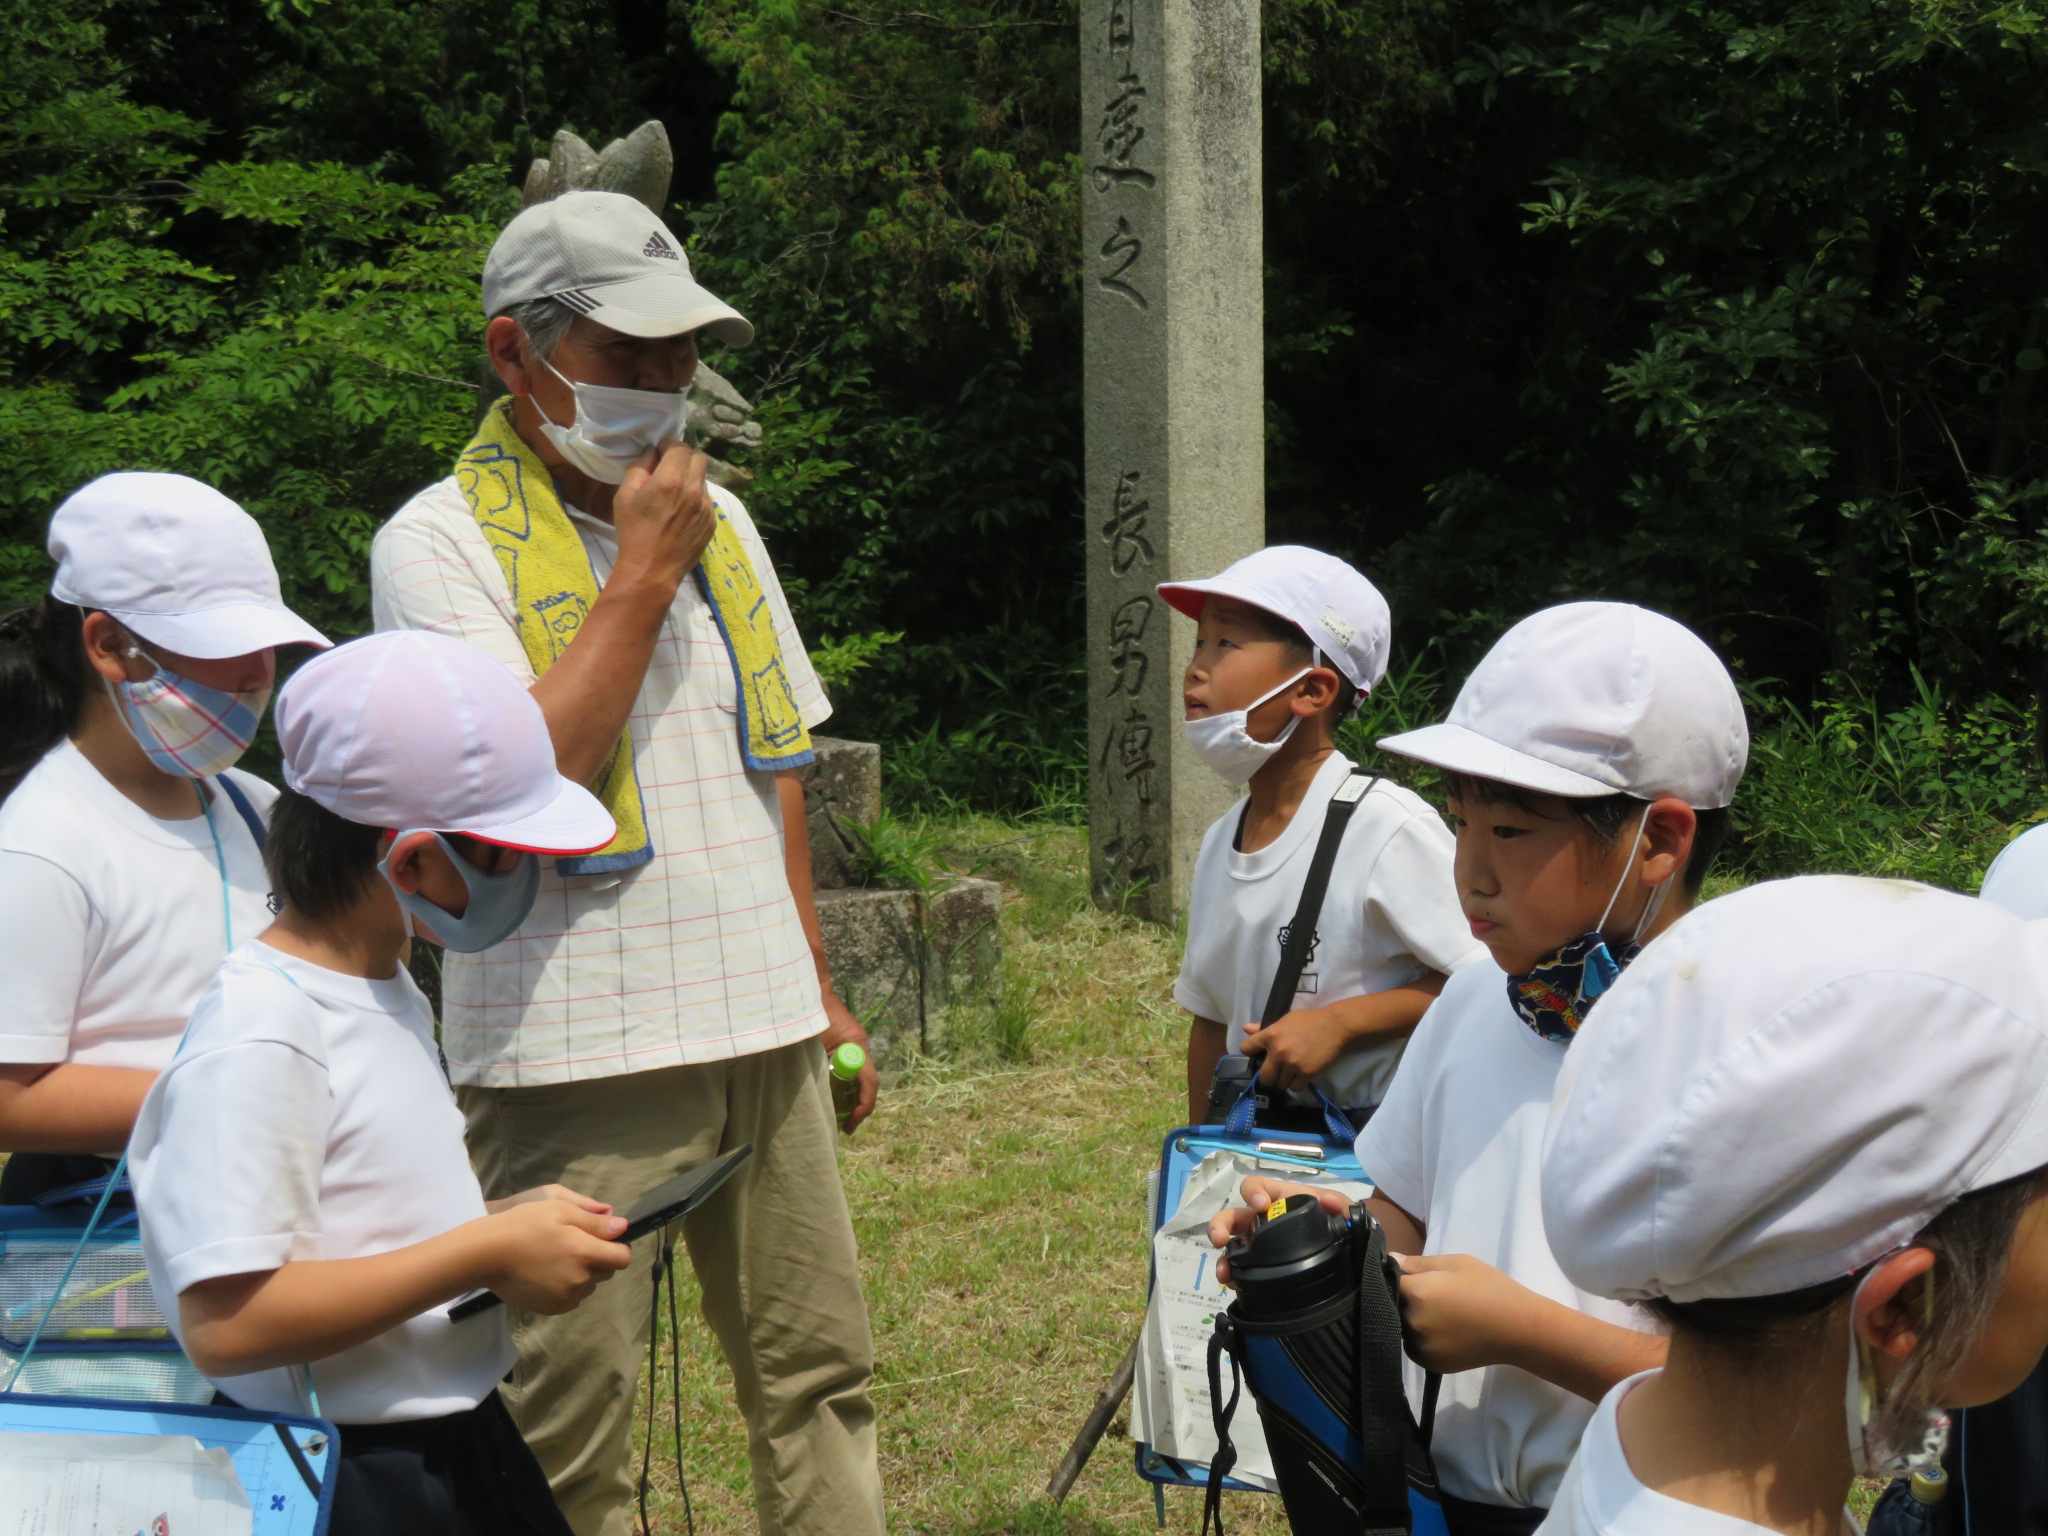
(668, 995)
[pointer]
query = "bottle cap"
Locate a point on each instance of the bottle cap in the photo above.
(846, 1061)
(1929, 1485)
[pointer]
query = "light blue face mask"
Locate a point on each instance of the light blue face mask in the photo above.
(498, 904)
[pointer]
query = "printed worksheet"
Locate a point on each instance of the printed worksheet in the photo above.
(1170, 1396)
(118, 1485)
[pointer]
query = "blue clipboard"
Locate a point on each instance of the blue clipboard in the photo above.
(1284, 1153)
(287, 1463)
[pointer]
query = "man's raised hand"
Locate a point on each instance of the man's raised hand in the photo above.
(663, 512)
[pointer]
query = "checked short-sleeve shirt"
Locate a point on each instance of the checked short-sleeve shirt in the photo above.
(698, 955)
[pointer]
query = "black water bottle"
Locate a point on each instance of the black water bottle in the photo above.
(1335, 1414)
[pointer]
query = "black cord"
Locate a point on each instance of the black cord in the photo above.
(664, 1269)
(653, 1377)
(675, 1382)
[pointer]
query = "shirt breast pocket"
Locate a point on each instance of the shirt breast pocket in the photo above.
(708, 652)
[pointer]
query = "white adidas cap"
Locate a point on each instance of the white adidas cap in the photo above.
(176, 562)
(410, 730)
(1341, 612)
(1595, 699)
(1793, 1081)
(605, 255)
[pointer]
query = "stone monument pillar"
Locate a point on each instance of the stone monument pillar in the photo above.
(1173, 327)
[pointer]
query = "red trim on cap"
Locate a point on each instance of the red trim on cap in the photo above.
(1182, 600)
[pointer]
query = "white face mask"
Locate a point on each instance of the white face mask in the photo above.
(614, 428)
(1223, 743)
(1869, 1451)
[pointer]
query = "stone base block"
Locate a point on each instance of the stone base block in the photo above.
(898, 959)
(844, 785)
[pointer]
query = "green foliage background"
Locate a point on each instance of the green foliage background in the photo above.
(1736, 309)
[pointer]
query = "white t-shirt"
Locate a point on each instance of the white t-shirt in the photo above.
(697, 955)
(312, 1121)
(1390, 915)
(2018, 878)
(1458, 1144)
(111, 921)
(1600, 1495)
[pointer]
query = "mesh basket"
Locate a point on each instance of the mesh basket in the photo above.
(161, 1377)
(106, 1335)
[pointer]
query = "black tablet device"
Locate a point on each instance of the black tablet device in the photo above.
(652, 1211)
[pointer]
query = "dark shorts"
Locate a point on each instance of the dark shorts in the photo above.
(1463, 1517)
(466, 1474)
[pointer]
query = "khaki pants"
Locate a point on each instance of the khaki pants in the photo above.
(774, 1255)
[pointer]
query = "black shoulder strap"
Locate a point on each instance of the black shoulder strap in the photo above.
(242, 805)
(1301, 932)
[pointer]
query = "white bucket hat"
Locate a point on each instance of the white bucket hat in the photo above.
(176, 562)
(1793, 1081)
(410, 730)
(605, 255)
(1595, 699)
(1341, 612)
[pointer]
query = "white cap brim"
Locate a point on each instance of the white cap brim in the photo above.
(214, 633)
(1459, 749)
(657, 306)
(1244, 592)
(574, 822)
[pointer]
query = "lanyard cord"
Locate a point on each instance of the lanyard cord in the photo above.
(227, 921)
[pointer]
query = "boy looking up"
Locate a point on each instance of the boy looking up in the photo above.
(1588, 764)
(1287, 642)
(308, 1208)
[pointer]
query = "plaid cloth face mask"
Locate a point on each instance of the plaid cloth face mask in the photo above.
(187, 728)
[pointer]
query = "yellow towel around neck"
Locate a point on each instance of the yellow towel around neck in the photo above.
(512, 496)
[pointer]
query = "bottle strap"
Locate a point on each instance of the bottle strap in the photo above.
(1225, 1340)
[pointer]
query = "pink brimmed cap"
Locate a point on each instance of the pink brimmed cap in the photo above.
(416, 731)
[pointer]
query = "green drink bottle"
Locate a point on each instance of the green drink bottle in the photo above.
(846, 1062)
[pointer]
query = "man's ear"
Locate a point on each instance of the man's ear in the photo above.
(510, 357)
(1667, 834)
(404, 855)
(1891, 1312)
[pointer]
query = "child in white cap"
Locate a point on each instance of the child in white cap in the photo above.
(131, 852)
(1288, 641)
(1808, 1130)
(308, 1209)
(1588, 765)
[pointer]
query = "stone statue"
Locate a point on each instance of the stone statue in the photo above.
(641, 165)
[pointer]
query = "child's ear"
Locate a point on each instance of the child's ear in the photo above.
(404, 859)
(1892, 1307)
(1667, 835)
(1318, 692)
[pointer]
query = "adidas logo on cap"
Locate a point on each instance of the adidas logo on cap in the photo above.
(658, 246)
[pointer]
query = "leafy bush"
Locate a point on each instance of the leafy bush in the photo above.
(1927, 792)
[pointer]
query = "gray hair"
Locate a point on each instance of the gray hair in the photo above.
(545, 323)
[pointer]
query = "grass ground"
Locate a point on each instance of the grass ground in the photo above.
(999, 1198)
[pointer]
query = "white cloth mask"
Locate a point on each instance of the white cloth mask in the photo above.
(1226, 746)
(614, 428)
